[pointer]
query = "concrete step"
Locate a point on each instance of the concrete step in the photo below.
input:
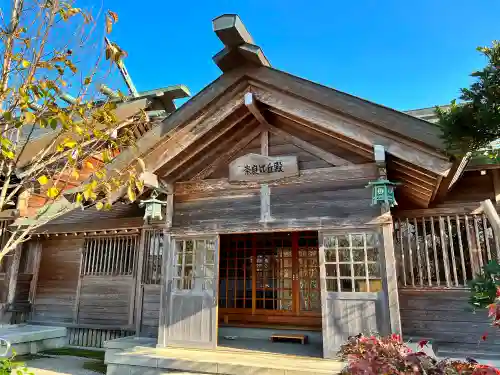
(218, 361)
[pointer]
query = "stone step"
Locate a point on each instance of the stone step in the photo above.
(219, 361)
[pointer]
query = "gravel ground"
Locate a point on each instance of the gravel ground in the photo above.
(59, 365)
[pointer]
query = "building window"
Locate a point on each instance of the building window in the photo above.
(153, 255)
(109, 256)
(352, 263)
(194, 264)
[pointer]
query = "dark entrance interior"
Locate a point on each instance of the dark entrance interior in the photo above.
(270, 280)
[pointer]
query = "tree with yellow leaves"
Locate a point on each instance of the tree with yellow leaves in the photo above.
(53, 117)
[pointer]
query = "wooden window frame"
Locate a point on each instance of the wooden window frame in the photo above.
(334, 272)
(193, 286)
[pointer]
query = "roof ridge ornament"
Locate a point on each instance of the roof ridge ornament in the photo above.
(239, 46)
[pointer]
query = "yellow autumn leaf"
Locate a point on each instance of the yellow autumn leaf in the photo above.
(131, 193)
(25, 63)
(89, 165)
(99, 206)
(69, 144)
(142, 164)
(43, 180)
(52, 192)
(28, 118)
(75, 174)
(9, 154)
(79, 198)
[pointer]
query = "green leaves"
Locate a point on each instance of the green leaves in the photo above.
(475, 122)
(484, 285)
(7, 148)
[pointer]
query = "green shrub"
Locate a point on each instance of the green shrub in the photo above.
(484, 287)
(7, 365)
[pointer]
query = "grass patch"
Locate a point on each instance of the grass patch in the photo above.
(83, 353)
(96, 366)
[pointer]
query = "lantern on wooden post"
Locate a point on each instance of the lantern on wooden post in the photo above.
(153, 207)
(383, 192)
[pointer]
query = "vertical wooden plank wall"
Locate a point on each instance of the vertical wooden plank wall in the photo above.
(108, 272)
(58, 275)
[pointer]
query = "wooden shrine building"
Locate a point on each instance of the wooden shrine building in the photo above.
(271, 224)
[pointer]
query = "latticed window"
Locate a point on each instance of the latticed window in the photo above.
(352, 263)
(194, 264)
(153, 255)
(113, 256)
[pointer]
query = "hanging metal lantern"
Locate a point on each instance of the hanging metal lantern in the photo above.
(153, 207)
(383, 192)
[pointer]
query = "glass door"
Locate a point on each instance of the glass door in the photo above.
(270, 273)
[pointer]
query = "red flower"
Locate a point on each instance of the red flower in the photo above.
(422, 343)
(484, 336)
(396, 337)
(498, 292)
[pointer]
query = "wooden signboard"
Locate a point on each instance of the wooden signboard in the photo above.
(255, 167)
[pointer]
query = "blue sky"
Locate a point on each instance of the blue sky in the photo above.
(402, 54)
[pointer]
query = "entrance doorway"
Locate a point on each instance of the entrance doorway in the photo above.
(270, 280)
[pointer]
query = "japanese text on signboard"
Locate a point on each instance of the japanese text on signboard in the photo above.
(255, 169)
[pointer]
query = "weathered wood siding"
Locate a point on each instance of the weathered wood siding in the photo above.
(57, 280)
(150, 310)
(3, 287)
(105, 300)
(318, 198)
(326, 204)
(445, 317)
(23, 288)
(225, 210)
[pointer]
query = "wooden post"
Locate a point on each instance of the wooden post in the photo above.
(390, 280)
(495, 175)
(36, 256)
(83, 254)
(12, 280)
(492, 214)
(166, 283)
(265, 191)
(165, 288)
(139, 288)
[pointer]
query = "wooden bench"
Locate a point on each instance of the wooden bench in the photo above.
(279, 336)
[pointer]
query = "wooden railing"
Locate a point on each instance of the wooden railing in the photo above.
(443, 251)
